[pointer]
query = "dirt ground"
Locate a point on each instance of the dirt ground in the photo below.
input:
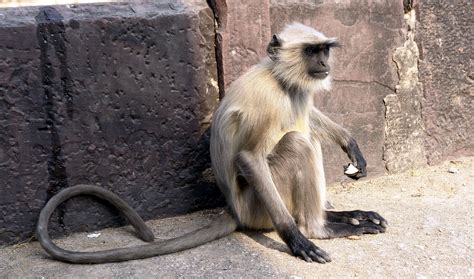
(430, 234)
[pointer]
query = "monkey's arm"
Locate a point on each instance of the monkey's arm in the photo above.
(324, 128)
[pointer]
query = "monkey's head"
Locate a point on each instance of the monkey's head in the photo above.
(300, 56)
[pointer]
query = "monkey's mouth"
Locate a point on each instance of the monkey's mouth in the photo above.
(319, 74)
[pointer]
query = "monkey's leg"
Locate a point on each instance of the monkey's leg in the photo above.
(292, 163)
(257, 173)
(338, 225)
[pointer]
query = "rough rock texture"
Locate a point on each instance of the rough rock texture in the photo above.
(243, 32)
(114, 95)
(446, 35)
(363, 70)
(404, 131)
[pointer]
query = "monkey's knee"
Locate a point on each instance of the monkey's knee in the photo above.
(293, 149)
(244, 163)
(297, 142)
(294, 137)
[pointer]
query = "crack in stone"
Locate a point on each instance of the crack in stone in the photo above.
(366, 82)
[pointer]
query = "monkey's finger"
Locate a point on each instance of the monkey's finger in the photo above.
(316, 257)
(305, 257)
(357, 175)
(362, 173)
(321, 253)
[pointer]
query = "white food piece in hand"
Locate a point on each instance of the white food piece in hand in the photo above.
(351, 170)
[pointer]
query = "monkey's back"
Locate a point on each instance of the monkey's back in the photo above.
(254, 115)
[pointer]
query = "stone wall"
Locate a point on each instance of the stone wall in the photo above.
(122, 95)
(445, 35)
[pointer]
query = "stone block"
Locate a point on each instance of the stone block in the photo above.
(116, 95)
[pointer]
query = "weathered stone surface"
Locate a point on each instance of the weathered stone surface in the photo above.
(23, 147)
(404, 131)
(363, 70)
(117, 95)
(445, 34)
(243, 34)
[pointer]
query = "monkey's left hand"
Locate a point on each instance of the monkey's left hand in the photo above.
(354, 153)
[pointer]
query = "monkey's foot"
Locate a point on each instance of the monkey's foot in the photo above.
(303, 248)
(355, 217)
(334, 229)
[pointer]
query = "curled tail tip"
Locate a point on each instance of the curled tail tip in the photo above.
(147, 235)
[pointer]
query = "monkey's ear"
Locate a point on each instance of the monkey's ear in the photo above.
(273, 47)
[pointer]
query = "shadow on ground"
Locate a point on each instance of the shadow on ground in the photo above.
(430, 212)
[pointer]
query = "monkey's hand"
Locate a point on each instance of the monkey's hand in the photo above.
(303, 248)
(355, 155)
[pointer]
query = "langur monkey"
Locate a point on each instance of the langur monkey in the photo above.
(266, 155)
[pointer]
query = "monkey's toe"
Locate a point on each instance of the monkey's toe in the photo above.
(367, 227)
(374, 217)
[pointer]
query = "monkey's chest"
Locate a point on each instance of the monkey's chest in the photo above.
(300, 125)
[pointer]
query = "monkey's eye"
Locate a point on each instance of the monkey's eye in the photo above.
(326, 50)
(311, 50)
(314, 49)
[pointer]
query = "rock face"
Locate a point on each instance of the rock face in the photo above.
(404, 137)
(242, 35)
(445, 37)
(114, 95)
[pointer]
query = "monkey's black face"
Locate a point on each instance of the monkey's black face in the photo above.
(316, 57)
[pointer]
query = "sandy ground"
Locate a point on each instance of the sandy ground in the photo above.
(430, 234)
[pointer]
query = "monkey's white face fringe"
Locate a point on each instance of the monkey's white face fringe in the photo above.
(323, 85)
(292, 73)
(296, 33)
(290, 67)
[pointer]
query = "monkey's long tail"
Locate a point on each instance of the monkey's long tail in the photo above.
(218, 228)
